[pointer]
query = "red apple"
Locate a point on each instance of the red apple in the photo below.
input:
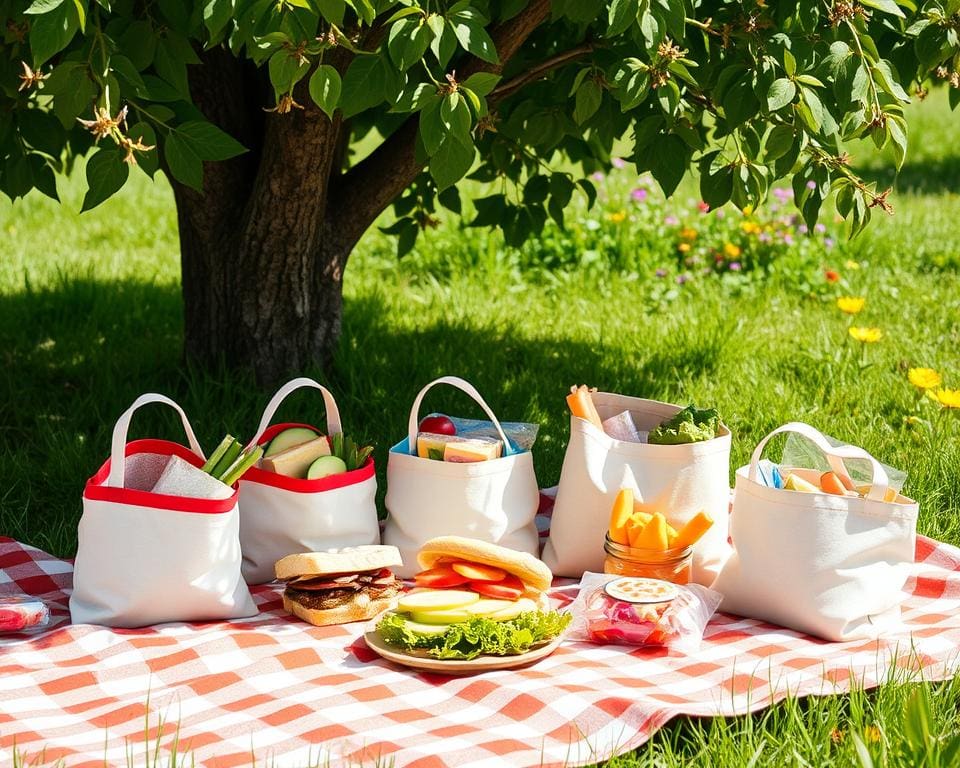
(437, 425)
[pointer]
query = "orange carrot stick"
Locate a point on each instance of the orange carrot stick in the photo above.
(695, 527)
(620, 516)
(581, 405)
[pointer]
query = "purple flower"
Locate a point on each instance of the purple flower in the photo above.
(735, 266)
(828, 242)
(671, 221)
(681, 279)
(597, 176)
(782, 194)
(661, 272)
(802, 229)
(811, 184)
(720, 213)
(821, 228)
(618, 162)
(788, 239)
(639, 195)
(764, 237)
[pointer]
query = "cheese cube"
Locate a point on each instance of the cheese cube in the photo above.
(476, 449)
(295, 461)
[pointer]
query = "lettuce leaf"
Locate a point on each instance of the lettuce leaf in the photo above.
(691, 425)
(477, 637)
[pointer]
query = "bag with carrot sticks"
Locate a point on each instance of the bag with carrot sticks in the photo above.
(675, 460)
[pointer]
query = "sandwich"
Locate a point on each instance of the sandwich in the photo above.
(473, 598)
(340, 585)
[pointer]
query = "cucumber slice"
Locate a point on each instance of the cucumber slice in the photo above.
(436, 600)
(426, 630)
(523, 605)
(289, 438)
(451, 616)
(488, 606)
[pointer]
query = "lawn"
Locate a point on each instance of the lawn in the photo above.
(90, 317)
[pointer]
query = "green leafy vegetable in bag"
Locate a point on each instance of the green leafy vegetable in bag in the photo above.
(691, 425)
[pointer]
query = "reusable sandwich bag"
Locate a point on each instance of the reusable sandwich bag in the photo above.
(282, 515)
(148, 558)
(677, 480)
(494, 500)
(831, 566)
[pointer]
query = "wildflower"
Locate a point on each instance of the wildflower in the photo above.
(764, 237)
(866, 335)
(924, 378)
(683, 247)
(720, 213)
(671, 221)
(30, 79)
(851, 305)
(747, 210)
(751, 227)
(286, 105)
(837, 736)
(688, 233)
(832, 276)
(948, 398)
(131, 145)
(703, 207)
(735, 266)
(618, 218)
(618, 162)
(820, 228)
(788, 239)
(802, 229)
(681, 279)
(783, 195)
(811, 184)
(638, 195)
(851, 264)
(597, 176)
(873, 733)
(731, 251)
(661, 272)
(102, 124)
(828, 242)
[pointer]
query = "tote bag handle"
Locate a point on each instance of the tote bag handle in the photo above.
(119, 443)
(329, 404)
(463, 386)
(835, 455)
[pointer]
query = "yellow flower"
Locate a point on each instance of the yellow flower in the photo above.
(866, 335)
(688, 233)
(850, 304)
(851, 264)
(948, 398)
(747, 210)
(619, 217)
(683, 247)
(924, 378)
(751, 227)
(731, 251)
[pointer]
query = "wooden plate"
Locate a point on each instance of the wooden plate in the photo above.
(455, 666)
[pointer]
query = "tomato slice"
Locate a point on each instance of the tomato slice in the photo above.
(510, 588)
(479, 572)
(439, 578)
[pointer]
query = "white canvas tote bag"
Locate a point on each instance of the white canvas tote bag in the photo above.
(282, 515)
(677, 480)
(147, 558)
(831, 566)
(494, 500)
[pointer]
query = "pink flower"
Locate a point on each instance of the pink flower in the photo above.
(681, 279)
(719, 213)
(782, 194)
(661, 272)
(597, 176)
(704, 207)
(735, 266)
(671, 221)
(811, 184)
(821, 228)
(618, 162)
(639, 195)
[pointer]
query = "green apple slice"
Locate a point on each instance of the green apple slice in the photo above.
(488, 606)
(426, 630)
(449, 616)
(289, 438)
(514, 609)
(436, 600)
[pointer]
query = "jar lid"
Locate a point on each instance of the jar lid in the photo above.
(638, 589)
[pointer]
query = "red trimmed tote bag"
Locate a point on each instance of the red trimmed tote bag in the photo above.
(148, 558)
(282, 515)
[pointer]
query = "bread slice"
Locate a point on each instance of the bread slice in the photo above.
(368, 557)
(361, 608)
(531, 571)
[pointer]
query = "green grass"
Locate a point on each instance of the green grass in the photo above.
(90, 317)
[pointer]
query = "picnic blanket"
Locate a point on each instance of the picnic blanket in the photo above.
(273, 690)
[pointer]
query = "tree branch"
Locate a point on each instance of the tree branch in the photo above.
(372, 184)
(541, 70)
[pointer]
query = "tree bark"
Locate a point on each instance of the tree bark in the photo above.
(264, 245)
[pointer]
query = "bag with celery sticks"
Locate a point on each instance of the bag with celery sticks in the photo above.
(494, 499)
(158, 540)
(676, 460)
(815, 551)
(310, 492)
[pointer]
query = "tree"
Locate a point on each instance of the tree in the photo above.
(288, 126)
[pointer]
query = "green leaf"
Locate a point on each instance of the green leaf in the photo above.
(667, 160)
(183, 163)
(207, 141)
(408, 40)
(325, 86)
(456, 117)
(42, 6)
(468, 26)
(364, 84)
(451, 162)
(887, 80)
(779, 141)
(489, 211)
(716, 188)
(432, 128)
(740, 103)
(781, 93)
(789, 63)
(286, 70)
(482, 83)
(149, 162)
(887, 6)
(139, 43)
(51, 32)
(622, 14)
(589, 96)
(106, 173)
(897, 132)
(42, 131)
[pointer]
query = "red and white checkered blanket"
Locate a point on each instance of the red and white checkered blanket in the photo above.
(272, 688)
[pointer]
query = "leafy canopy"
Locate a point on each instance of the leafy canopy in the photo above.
(748, 91)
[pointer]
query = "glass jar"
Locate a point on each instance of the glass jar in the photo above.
(674, 565)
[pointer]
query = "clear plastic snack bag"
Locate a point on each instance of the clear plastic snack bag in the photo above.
(22, 613)
(801, 453)
(521, 435)
(651, 613)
